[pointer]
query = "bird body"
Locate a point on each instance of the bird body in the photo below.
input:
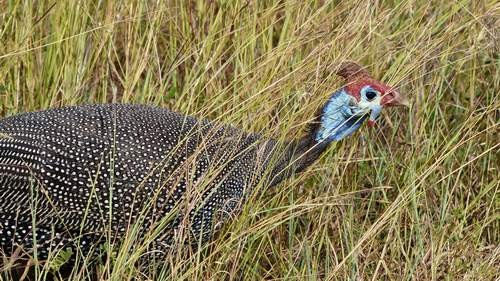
(73, 176)
(86, 168)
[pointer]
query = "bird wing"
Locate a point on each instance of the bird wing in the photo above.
(19, 160)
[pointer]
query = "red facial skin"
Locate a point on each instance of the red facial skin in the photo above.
(389, 96)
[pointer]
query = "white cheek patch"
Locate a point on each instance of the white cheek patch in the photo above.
(364, 106)
(372, 106)
(369, 104)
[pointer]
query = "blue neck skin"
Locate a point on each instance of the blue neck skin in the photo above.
(340, 118)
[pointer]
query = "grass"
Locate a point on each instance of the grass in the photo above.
(414, 199)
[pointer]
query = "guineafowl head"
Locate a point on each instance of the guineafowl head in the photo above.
(362, 98)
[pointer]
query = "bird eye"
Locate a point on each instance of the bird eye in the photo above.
(370, 95)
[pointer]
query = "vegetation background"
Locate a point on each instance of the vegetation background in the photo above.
(414, 199)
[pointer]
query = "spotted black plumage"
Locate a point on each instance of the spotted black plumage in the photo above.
(76, 172)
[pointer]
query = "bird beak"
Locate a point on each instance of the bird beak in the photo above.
(395, 98)
(392, 98)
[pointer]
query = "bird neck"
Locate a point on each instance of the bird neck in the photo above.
(333, 122)
(295, 156)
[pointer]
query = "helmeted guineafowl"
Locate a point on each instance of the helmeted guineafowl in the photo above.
(73, 175)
